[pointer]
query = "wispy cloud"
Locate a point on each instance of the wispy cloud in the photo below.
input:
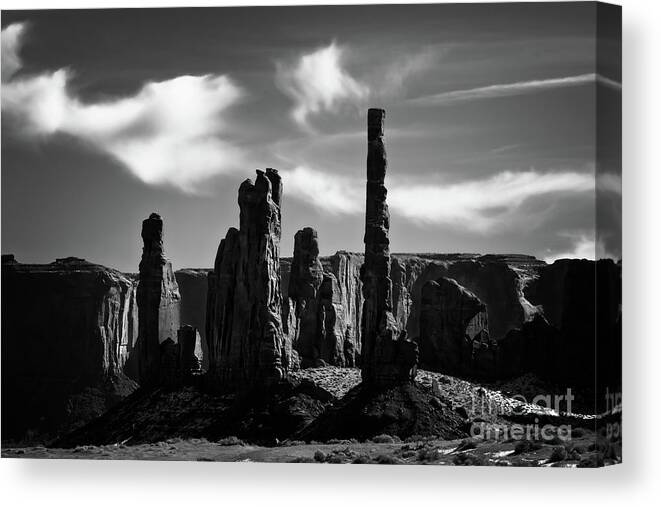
(480, 205)
(477, 205)
(393, 81)
(318, 82)
(504, 149)
(170, 132)
(510, 89)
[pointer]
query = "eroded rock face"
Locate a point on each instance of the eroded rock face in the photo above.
(158, 301)
(404, 273)
(499, 281)
(455, 328)
(496, 280)
(190, 351)
(335, 346)
(534, 347)
(497, 285)
(315, 309)
(180, 361)
(386, 354)
(305, 279)
(306, 272)
(245, 335)
(345, 267)
(454, 335)
(453, 322)
(169, 370)
(69, 329)
(193, 286)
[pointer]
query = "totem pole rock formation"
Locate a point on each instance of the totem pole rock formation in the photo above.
(158, 301)
(387, 356)
(246, 342)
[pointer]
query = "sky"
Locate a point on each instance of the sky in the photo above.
(109, 115)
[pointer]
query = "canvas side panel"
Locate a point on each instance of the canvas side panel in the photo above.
(609, 229)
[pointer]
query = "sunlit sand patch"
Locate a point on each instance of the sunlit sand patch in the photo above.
(501, 454)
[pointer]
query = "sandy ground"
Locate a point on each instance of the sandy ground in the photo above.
(577, 452)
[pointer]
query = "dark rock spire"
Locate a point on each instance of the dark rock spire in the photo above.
(386, 354)
(158, 301)
(244, 328)
(305, 280)
(318, 327)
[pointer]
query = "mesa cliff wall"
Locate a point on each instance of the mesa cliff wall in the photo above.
(540, 317)
(77, 337)
(497, 280)
(69, 330)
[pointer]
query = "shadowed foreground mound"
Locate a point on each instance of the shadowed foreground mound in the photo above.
(262, 416)
(401, 410)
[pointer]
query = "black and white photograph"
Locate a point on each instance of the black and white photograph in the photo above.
(314, 234)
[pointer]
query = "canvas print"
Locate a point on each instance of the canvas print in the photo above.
(360, 234)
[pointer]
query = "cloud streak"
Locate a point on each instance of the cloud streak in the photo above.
(480, 205)
(476, 205)
(169, 133)
(317, 82)
(511, 89)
